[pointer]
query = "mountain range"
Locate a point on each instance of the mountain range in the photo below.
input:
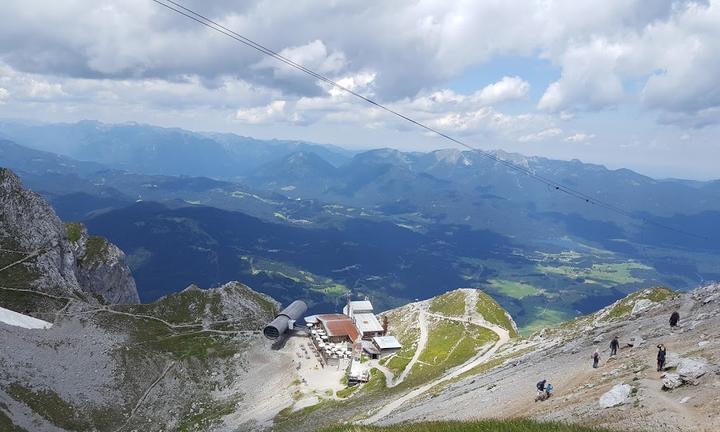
(304, 219)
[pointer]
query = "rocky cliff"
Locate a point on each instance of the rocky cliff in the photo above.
(38, 252)
(101, 268)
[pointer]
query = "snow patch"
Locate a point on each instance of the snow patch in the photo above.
(19, 320)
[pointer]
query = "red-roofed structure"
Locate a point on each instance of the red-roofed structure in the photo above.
(339, 327)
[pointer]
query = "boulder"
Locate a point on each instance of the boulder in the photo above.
(641, 305)
(671, 381)
(617, 395)
(691, 369)
(672, 360)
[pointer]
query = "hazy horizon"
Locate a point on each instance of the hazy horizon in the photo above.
(610, 166)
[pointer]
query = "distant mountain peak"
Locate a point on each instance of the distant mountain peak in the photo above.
(453, 157)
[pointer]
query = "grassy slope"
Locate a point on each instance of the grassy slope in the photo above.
(449, 304)
(450, 344)
(494, 313)
(403, 325)
(625, 306)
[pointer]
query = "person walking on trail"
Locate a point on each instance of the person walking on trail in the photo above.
(661, 357)
(596, 359)
(544, 390)
(614, 345)
(541, 385)
(674, 318)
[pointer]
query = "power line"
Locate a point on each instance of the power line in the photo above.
(552, 184)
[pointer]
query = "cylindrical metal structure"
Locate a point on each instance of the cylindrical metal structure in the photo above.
(281, 322)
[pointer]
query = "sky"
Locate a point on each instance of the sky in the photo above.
(619, 82)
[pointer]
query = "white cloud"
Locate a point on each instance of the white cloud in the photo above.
(542, 135)
(508, 88)
(275, 111)
(589, 77)
(579, 137)
(659, 56)
(4, 94)
(45, 89)
(314, 56)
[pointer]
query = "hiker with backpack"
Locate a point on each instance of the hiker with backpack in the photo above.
(674, 318)
(662, 351)
(544, 390)
(614, 345)
(596, 359)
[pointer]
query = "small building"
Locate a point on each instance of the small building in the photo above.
(357, 307)
(363, 315)
(381, 346)
(368, 325)
(338, 328)
(386, 344)
(358, 372)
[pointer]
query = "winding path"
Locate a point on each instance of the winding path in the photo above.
(422, 342)
(471, 316)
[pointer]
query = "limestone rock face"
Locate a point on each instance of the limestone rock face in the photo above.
(641, 305)
(40, 255)
(617, 395)
(30, 231)
(102, 269)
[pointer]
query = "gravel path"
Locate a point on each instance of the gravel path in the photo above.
(482, 357)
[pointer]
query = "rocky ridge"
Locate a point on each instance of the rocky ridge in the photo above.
(39, 252)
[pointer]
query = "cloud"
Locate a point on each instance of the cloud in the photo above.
(275, 111)
(4, 94)
(659, 55)
(542, 135)
(589, 78)
(45, 89)
(508, 88)
(579, 137)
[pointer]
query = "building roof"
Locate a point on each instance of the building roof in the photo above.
(387, 342)
(367, 323)
(360, 306)
(369, 347)
(339, 325)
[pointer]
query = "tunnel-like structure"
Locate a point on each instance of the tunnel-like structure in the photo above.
(281, 323)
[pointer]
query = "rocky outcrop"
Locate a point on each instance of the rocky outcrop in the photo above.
(618, 395)
(671, 381)
(38, 252)
(691, 369)
(101, 268)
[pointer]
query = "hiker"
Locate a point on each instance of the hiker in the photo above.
(674, 318)
(548, 390)
(661, 357)
(596, 359)
(541, 386)
(614, 345)
(543, 390)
